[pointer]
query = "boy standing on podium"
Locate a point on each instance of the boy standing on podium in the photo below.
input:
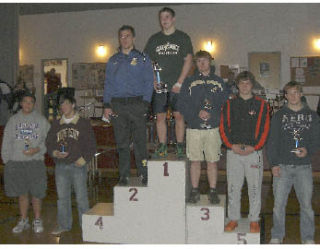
(244, 128)
(200, 101)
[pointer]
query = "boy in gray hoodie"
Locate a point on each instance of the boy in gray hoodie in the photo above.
(23, 149)
(294, 137)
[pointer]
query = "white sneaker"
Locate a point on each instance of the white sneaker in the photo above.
(37, 226)
(275, 241)
(58, 230)
(23, 224)
(308, 241)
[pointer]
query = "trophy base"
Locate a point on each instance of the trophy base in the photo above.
(161, 91)
(204, 126)
(295, 151)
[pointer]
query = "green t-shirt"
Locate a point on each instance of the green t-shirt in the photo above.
(169, 52)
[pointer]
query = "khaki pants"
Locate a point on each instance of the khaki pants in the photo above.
(203, 145)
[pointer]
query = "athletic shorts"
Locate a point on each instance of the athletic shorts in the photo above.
(203, 145)
(161, 102)
(25, 177)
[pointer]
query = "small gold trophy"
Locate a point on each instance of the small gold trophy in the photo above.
(26, 143)
(207, 107)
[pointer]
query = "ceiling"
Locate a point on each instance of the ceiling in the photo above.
(42, 8)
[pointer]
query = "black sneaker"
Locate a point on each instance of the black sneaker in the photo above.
(194, 195)
(144, 180)
(124, 181)
(213, 196)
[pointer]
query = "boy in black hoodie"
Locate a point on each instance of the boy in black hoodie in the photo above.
(294, 137)
(200, 101)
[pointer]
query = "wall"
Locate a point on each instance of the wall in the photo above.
(236, 28)
(9, 43)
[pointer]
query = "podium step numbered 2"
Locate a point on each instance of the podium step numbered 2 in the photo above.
(158, 213)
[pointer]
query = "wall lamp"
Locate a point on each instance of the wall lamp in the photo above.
(209, 46)
(101, 51)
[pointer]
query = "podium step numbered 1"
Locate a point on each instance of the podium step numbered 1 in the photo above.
(158, 213)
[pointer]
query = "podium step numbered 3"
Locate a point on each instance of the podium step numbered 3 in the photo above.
(158, 213)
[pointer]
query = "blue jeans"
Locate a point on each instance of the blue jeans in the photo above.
(300, 176)
(67, 176)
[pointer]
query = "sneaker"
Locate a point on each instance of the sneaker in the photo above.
(275, 241)
(37, 226)
(213, 196)
(124, 181)
(23, 224)
(180, 150)
(143, 179)
(254, 227)
(194, 195)
(161, 151)
(308, 241)
(231, 226)
(58, 230)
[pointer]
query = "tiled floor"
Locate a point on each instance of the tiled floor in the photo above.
(102, 192)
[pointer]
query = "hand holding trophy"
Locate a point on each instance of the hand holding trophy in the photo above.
(207, 106)
(161, 87)
(297, 139)
(63, 145)
(26, 144)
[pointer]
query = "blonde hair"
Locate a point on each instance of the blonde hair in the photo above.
(292, 84)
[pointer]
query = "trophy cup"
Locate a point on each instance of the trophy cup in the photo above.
(207, 107)
(26, 143)
(161, 86)
(111, 115)
(297, 139)
(63, 145)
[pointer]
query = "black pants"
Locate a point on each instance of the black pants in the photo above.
(130, 124)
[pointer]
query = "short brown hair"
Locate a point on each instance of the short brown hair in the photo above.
(202, 54)
(292, 84)
(167, 9)
(245, 75)
(127, 27)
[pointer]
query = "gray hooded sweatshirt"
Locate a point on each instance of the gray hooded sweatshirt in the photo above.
(21, 129)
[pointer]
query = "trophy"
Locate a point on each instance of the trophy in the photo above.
(297, 139)
(26, 143)
(207, 107)
(161, 86)
(63, 145)
(111, 115)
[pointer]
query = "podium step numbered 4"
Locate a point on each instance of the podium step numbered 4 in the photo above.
(158, 213)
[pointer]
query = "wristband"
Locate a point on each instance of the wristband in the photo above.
(178, 84)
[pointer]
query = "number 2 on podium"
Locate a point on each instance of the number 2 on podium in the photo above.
(165, 169)
(133, 196)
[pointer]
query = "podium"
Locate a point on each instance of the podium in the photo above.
(159, 214)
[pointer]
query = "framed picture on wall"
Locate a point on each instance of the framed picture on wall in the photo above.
(266, 67)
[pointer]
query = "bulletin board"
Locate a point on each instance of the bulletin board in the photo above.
(88, 75)
(305, 70)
